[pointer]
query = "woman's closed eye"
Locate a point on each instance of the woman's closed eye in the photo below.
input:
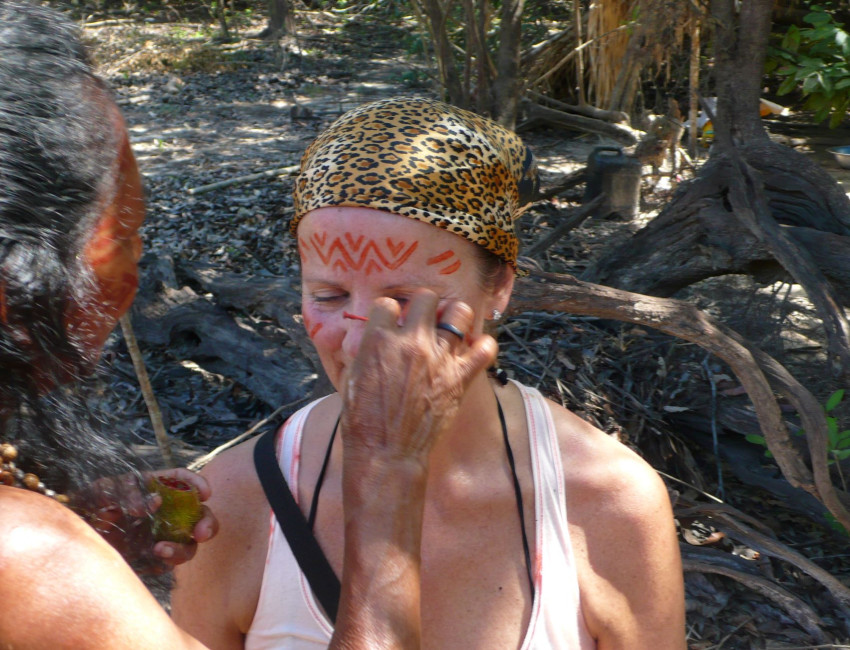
(329, 297)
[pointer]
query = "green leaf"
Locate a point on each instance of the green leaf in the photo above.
(832, 431)
(787, 86)
(817, 102)
(841, 454)
(755, 439)
(834, 400)
(817, 18)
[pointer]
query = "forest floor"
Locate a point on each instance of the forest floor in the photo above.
(201, 111)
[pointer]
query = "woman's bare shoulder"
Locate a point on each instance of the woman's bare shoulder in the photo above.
(602, 472)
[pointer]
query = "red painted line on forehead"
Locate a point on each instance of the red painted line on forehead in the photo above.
(451, 268)
(441, 257)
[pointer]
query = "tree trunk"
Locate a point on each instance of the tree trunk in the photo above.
(739, 51)
(281, 19)
(505, 95)
(437, 16)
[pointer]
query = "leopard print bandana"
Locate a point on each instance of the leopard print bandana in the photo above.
(425, 160)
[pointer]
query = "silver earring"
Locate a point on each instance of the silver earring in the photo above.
(496, 314)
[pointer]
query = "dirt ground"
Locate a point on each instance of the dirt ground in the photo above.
(202, 112)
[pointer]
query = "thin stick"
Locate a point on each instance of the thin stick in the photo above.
(203, 460)
(147, 391)
(582, 99)
(277, 171)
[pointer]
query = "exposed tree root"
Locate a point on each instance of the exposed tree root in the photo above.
(758, 372)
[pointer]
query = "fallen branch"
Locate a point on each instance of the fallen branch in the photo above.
(722, 520)
(571, 221)
(206, 458)
(799, 611)
(681, 319)
(537, 115)
(568, 181)
(238, 180)
(617, 117)
(749, 204)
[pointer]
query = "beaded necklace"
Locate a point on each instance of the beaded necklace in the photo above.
(13, 476)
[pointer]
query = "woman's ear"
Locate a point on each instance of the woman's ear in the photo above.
(502, 290)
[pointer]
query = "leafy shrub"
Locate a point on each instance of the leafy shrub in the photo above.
(816, 60)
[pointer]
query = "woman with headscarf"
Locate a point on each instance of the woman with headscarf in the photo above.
(71, 204)
(533, 528)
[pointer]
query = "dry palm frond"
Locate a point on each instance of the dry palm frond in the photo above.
(655, 32)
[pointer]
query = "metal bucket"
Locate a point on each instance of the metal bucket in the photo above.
(617, 175)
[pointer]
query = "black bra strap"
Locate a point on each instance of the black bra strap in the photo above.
(304, 546)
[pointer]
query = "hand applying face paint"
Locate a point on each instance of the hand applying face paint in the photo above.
(389, 429)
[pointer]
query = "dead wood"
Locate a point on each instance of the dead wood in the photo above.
(798, 610)
(270, 296)
(616, 117)
(573, 219)
(536, 115)
(196, 328)
(545, 291)
(745, 460)
(566, 182)
(716, 557)
(748, 203)
(147, 390)
(698, 236)
(277, 171)
(727, 520)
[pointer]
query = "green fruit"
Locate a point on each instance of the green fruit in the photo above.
(181, 509)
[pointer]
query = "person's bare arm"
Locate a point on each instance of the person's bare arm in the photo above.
(402, 392)
(63, 586)
(215, 594)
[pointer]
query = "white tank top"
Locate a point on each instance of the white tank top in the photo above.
(289, 618)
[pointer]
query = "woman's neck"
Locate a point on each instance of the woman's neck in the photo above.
(475, 432)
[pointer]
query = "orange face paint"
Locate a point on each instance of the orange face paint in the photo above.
(445, 256)
(112, 251)
(350, 316)
(357, 253)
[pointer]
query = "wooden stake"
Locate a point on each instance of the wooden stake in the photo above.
(693, 108)
(147, 390)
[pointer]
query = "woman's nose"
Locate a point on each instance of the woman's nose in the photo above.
(355, 325)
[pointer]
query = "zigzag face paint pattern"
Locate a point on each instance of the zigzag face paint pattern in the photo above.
(356, 252)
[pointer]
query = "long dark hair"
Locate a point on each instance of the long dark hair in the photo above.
(58, 154)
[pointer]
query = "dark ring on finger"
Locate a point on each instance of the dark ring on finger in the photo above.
(451, 328)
